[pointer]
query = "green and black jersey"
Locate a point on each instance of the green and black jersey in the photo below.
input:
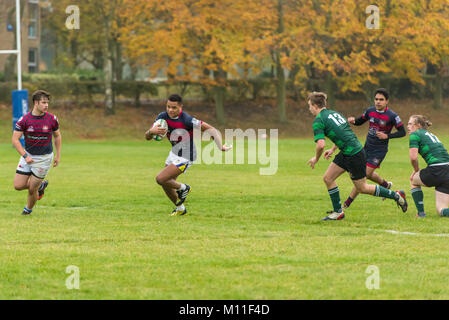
(333, 125)
(429, 147)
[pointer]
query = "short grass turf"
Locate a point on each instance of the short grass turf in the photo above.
(246, 236)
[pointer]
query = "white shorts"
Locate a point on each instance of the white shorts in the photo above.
(182, 163)
(39, 168)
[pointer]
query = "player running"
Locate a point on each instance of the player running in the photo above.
(38, 127)
(381, 121)
(437, 172)
(183, 152)
(351, 158)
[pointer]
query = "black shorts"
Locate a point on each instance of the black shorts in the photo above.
(436, 176)
(355, 164)
(374, 156)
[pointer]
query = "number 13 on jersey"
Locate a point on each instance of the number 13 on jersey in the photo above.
(337, 118)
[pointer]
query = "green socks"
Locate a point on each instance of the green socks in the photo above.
(418, 197)
(335, 198)
(445, 212)
(384, 193)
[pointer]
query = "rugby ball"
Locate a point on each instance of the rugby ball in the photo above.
(162, 124)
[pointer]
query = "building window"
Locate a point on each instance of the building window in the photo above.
(32, 60)
(33, 19)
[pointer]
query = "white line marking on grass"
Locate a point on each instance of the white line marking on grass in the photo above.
(418, 234)
(69, 208)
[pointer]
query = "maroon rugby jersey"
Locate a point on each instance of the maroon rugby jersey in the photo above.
(380, 121)
(38, 132)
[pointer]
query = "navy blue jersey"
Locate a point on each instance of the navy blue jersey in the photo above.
(180, 134)
(380, 121)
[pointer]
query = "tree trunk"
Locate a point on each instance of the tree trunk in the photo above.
(108, 95)
(280, 81)
(280, 90)
(330, 90)
(438, 91)
(108, 66)
(108, 74)
(118, 60)
(219, 92)
(74, 52)
(137, 95)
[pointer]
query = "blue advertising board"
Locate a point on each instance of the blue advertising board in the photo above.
(19, 108)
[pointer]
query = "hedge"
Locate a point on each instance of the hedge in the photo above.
(70, 88)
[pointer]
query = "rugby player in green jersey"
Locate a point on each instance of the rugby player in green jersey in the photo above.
(437, 172)
(351, 158)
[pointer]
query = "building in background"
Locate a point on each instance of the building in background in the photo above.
(31, 34)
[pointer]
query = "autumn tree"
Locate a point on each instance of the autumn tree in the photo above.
(431, 22)
(411, 41)
(96, 41)
(334, 47)
(273, 37)
(192, 40)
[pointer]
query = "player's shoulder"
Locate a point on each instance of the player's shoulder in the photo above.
(416, 135)
(188, 119)
(322, 115)
(370, 109)
(52, 116)
(391, 112)
(185, 115)
(162, 115)
(319, 117)
(26, 118)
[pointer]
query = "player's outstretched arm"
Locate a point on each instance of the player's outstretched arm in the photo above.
(356, 121)
(318, 152)
(216, 136)
(329, 152)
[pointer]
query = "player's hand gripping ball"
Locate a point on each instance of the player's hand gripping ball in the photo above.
(162, 124)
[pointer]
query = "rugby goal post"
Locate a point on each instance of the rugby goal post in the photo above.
(19, 96)
(18, 51)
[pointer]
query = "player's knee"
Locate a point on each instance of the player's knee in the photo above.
(160, 180)
(369, 175)
(327, 180)
(19, 187)
(363, 189)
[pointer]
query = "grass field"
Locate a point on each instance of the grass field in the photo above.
(246, 236)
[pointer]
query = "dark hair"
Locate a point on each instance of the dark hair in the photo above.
(39, 94)
(175, 98)
(383, 92)
(318, 98)
(422, 121)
